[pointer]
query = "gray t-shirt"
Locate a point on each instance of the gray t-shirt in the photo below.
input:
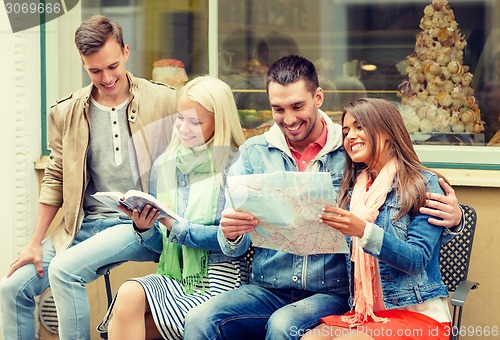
(109, 164)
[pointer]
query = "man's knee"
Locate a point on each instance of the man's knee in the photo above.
(56, 268)
(280, 324)
(289, 323)
(8, 290)
(15, 289)
(195, 317)
(201, 322)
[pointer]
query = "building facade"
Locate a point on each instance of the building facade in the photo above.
(359, 46)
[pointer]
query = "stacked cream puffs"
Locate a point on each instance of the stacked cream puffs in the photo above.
(438, 95)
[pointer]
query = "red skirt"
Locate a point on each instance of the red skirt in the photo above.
(402, 325)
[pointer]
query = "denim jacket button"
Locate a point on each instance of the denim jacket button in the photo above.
(395, 301)
(295, 278)
(174, 239)
(387, 278)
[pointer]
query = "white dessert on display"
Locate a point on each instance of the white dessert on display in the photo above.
(170, 72)
(438, 95)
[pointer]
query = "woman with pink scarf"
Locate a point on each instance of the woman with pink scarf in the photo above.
(397, 288)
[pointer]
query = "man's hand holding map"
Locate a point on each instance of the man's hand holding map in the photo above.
(287, 205)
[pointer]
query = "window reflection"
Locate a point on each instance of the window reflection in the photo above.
(358, 47)
(157, 30)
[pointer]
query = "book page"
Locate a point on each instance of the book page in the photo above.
(134, 199)
(110, 198)
(139, 200)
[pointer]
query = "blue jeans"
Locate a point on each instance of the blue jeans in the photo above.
(98, 243)
(254, 312)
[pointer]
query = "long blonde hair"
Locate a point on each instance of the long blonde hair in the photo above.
(378, 116)
(215, 96)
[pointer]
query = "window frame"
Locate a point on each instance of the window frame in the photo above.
(434, 156)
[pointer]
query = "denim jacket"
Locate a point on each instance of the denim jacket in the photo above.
(408, 252)
(276, 269)
(184, 232)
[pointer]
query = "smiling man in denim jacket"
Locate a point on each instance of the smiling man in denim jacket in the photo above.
(288, 294)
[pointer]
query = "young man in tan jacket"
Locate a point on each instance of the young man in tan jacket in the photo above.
(103, 137)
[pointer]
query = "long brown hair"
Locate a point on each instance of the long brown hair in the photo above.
(379, 116)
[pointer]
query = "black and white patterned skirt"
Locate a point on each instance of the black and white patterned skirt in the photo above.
(169, 303)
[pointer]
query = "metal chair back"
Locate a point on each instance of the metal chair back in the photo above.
(455, 260)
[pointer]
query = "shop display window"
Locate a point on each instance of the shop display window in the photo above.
(440, 65)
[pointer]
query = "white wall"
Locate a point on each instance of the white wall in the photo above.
(19, 136)
(20, 117)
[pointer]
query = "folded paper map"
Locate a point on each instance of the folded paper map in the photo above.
(287, 205)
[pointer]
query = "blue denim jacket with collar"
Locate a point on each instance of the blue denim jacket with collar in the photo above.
(276, 269)
(408, 252)
(184, 232)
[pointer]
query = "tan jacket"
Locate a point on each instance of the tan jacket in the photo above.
(150, 118)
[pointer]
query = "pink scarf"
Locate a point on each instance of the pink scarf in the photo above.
(365, 205)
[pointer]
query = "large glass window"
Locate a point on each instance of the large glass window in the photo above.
(438, 64)
(155, 30)
(397, 50)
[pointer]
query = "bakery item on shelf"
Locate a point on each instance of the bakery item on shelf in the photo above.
(170, 72)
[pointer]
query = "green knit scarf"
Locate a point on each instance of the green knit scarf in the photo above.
(192, 269)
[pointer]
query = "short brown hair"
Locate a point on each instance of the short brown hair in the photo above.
(93, 34)
(290, 69)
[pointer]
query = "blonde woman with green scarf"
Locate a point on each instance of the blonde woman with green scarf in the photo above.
(189, 177)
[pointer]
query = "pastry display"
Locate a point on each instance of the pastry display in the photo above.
(170, 72)
(438, 95)
(255, 122)
(251, 118)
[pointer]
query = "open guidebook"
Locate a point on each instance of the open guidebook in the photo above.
(134, 199)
